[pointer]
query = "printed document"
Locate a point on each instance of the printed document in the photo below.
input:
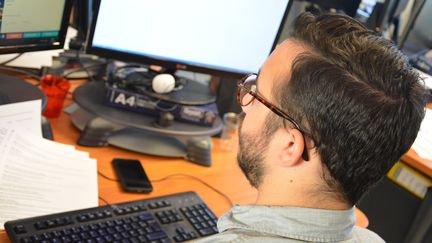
(39, 176)
(423, 143)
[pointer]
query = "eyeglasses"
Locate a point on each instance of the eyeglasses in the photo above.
(247, 92)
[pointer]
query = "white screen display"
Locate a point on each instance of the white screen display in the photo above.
(231, 35)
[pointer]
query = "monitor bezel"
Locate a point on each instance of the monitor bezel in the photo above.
(39, 46)
(168, 63)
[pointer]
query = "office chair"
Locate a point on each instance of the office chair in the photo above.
(387, 14)
(348, 7)
(417, 35)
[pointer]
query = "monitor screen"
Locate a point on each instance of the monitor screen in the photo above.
(33, 25)
(217, 37)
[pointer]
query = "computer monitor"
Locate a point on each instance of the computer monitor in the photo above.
(224, 37)
(33, 25)
(30, 26)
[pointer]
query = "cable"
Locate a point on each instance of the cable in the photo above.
(12, 59)
(105, 201)
(106, 177)
(85, 68)
(200, 180)
(176, 175)
(37, 77)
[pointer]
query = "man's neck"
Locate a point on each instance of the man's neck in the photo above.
(298, 196)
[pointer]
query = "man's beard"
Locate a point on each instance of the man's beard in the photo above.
(251, 154)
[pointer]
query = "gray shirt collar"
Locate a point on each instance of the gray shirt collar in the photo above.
(291, 222)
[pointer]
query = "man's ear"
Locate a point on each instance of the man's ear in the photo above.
(291, 145)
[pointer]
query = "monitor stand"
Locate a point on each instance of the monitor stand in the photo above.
(103, 125)
(14, 90)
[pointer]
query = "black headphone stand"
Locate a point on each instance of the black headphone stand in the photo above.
(102, 125)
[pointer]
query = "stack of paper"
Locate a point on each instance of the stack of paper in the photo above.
(39, 176)
(426, 78)
(423, 143)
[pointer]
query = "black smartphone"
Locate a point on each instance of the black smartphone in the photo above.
(132, 175)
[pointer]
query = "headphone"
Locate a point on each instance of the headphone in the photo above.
(131, 76)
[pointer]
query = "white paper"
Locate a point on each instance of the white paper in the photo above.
(23, 114)
(423, 143)
(39, 177)
(427, 79)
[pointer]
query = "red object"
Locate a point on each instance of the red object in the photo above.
(14, 36)
(55, 88)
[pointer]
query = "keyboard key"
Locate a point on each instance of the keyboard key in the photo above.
(178, 238)
(91, 216)
(117, 236)
(152, 205)
(128, 210)
(99, 215)
(148, 230)
(75, 237)
(55, 240)
(85, 228)
(160, 204)
(81, 218)
(206, 231)
(142, 238)
(110, 223)
(142, 207)
(56, 234)
(102, 225)
(165, 221)
(108, 238)
(100, 240)
(93, 234)
(36, 238)
(66, 238)
(40, 225)
(107, 214)
(125, 234)
(26, 240)
(119, 229)
(46, 236)
(133, 233)
(145, 217)
(134, 240)
(110, 230)
(193, 235)
(119, 221)
(156, 235)
(50, 223)
(20, 229)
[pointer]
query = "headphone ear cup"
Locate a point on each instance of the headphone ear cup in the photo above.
(163, 83)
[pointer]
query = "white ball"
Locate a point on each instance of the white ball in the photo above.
(163, 83)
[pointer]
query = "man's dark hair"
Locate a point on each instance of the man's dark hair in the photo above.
(357, 96)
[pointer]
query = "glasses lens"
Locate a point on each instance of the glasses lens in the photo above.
(249, 84)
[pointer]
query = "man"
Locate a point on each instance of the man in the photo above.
(333, 108)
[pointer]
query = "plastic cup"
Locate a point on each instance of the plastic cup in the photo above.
(55, 89)
(229, 135)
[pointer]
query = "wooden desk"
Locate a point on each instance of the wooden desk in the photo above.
(224, 174)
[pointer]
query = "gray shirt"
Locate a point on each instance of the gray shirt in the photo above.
(289, 224)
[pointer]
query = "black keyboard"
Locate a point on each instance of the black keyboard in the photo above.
(173, 218)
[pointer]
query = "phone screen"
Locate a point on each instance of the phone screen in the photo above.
(132, 175)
